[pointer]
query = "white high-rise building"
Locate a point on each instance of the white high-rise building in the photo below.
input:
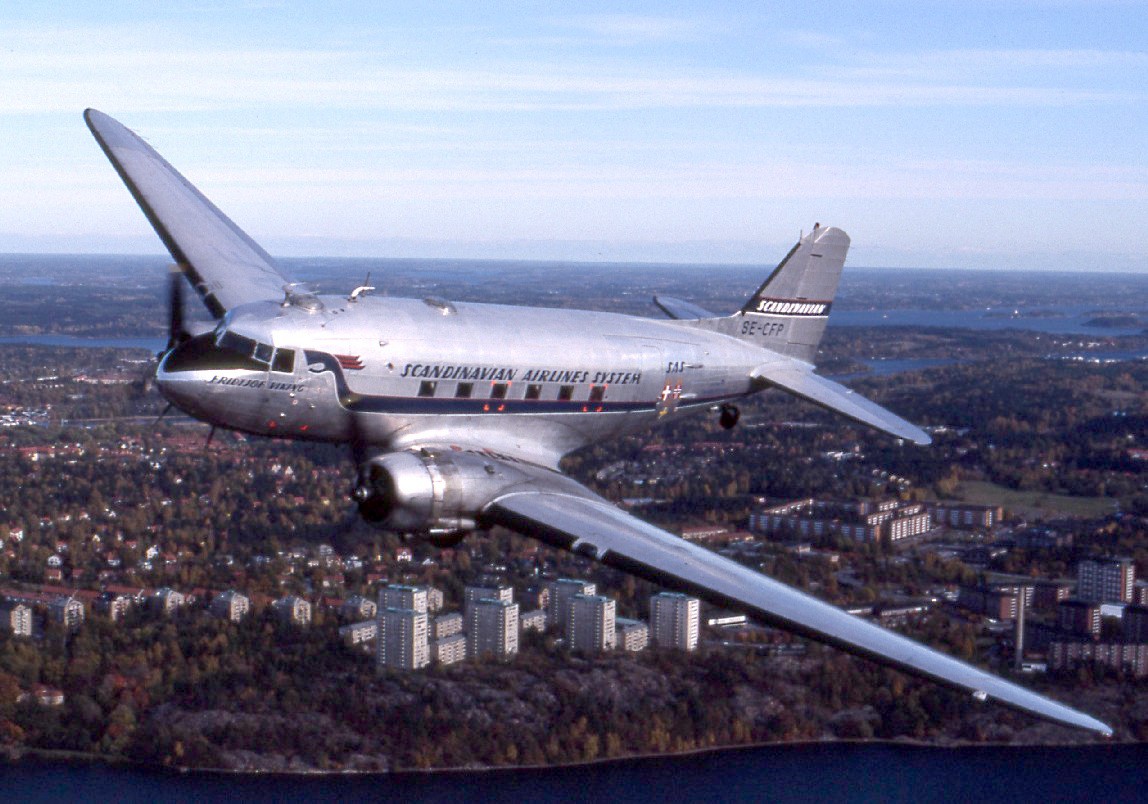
(293, 609)
(590, 624)
(472, 594)
(67, 611)
(1107, 580)
(561, 590)
(492, 629)
(17, 618)
(674, 620)
(402, 639)
(231, 605)
(398, 596)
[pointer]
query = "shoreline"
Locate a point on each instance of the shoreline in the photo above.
(9, 755)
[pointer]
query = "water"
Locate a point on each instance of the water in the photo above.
(831, 772)
(153, 345)
(1067, 320)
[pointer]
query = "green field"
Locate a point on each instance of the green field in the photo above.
(1033, 504)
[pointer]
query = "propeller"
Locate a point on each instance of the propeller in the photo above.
(176, 332)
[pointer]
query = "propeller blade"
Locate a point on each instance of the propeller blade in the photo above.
(177, 334)
(162, 413)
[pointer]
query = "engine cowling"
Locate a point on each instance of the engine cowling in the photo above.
(436, 494)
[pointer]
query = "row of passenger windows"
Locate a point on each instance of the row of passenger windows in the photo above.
(501, 390)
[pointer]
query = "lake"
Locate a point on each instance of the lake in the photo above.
(831, 772)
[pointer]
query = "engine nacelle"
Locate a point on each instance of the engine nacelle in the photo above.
(437, 494)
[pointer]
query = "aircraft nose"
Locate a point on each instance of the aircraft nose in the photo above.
(176, 386)
(185, 371)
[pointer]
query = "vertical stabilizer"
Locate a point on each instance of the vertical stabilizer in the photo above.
(788, 313)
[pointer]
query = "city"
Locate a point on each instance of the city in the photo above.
(170, 597)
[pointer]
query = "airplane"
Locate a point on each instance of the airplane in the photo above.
(458, 414)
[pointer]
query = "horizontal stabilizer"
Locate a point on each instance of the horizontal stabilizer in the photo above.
(801, 381)
(678, 309)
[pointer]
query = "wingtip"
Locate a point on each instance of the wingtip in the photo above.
(95, 120)
(1103, 729)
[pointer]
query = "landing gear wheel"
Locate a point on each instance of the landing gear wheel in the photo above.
(729, 417)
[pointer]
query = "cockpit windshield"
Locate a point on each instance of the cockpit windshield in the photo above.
(224, 350)
(262, 354)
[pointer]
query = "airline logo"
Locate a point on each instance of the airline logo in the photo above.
(351, 362)
(792, 307)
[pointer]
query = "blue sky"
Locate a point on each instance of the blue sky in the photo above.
(942, 134)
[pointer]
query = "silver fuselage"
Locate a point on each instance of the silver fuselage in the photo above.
(395, 373)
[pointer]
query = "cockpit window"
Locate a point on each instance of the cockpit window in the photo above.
(202, 354)
(284, 361)
(237, 343)
(224, 350)
(258, 354)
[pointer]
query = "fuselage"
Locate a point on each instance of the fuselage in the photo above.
(404, 372)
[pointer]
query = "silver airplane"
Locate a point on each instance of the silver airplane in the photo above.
(458, 414)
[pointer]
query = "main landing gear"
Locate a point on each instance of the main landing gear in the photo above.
(729, 417)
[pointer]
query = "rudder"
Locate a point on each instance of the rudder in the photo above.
(788, 313)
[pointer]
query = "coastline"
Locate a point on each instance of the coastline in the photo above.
(13, 756)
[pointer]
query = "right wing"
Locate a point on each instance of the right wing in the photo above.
(222, 262)
(560, 512)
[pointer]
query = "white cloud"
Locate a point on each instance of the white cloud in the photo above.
(129, 68)
(995, 66)
(632, 29)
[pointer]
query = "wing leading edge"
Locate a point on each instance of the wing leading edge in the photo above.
(222, 262)
(562, 513)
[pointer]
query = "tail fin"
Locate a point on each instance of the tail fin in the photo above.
(788, 313)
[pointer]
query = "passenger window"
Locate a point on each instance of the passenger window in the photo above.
(498, 390)
(464, 390)
(284, 361)
(597, 393)
(566, 393)
(426, 388)
(534, 392)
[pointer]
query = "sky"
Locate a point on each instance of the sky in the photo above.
(938, 134)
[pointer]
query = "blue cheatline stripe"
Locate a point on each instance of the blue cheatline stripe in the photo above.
(363, 403)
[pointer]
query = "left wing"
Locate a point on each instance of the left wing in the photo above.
(798, 379)
(560, 512)
(222, 262)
